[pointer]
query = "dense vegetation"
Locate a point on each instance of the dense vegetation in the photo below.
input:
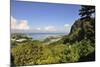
(77, 46)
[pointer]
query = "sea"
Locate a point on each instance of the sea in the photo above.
(40, 36)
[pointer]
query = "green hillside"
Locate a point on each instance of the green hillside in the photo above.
(77, 46)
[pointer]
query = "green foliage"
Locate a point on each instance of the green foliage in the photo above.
(86, 12)
(13, 43)
(36, 52)
(58, 52)
(72, 54)
(78, 45)
(85, 47)
(17, 36)
(25, 54)
(33, 53)
(81, 29)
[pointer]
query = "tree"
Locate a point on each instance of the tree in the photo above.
(86, 11)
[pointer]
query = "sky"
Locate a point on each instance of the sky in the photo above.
(42, 17)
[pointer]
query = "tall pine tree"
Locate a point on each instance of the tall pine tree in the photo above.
(86, 11)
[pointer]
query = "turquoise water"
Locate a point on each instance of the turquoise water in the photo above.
(38, 36)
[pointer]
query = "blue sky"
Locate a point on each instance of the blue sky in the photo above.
(43, 17)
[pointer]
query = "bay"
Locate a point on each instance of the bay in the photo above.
(39, 36)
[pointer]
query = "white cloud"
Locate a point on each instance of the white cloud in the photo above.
(50, 29)
(38, 29)
(22, 25)
(66, 25)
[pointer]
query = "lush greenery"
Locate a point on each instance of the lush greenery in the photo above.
(77, 46)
